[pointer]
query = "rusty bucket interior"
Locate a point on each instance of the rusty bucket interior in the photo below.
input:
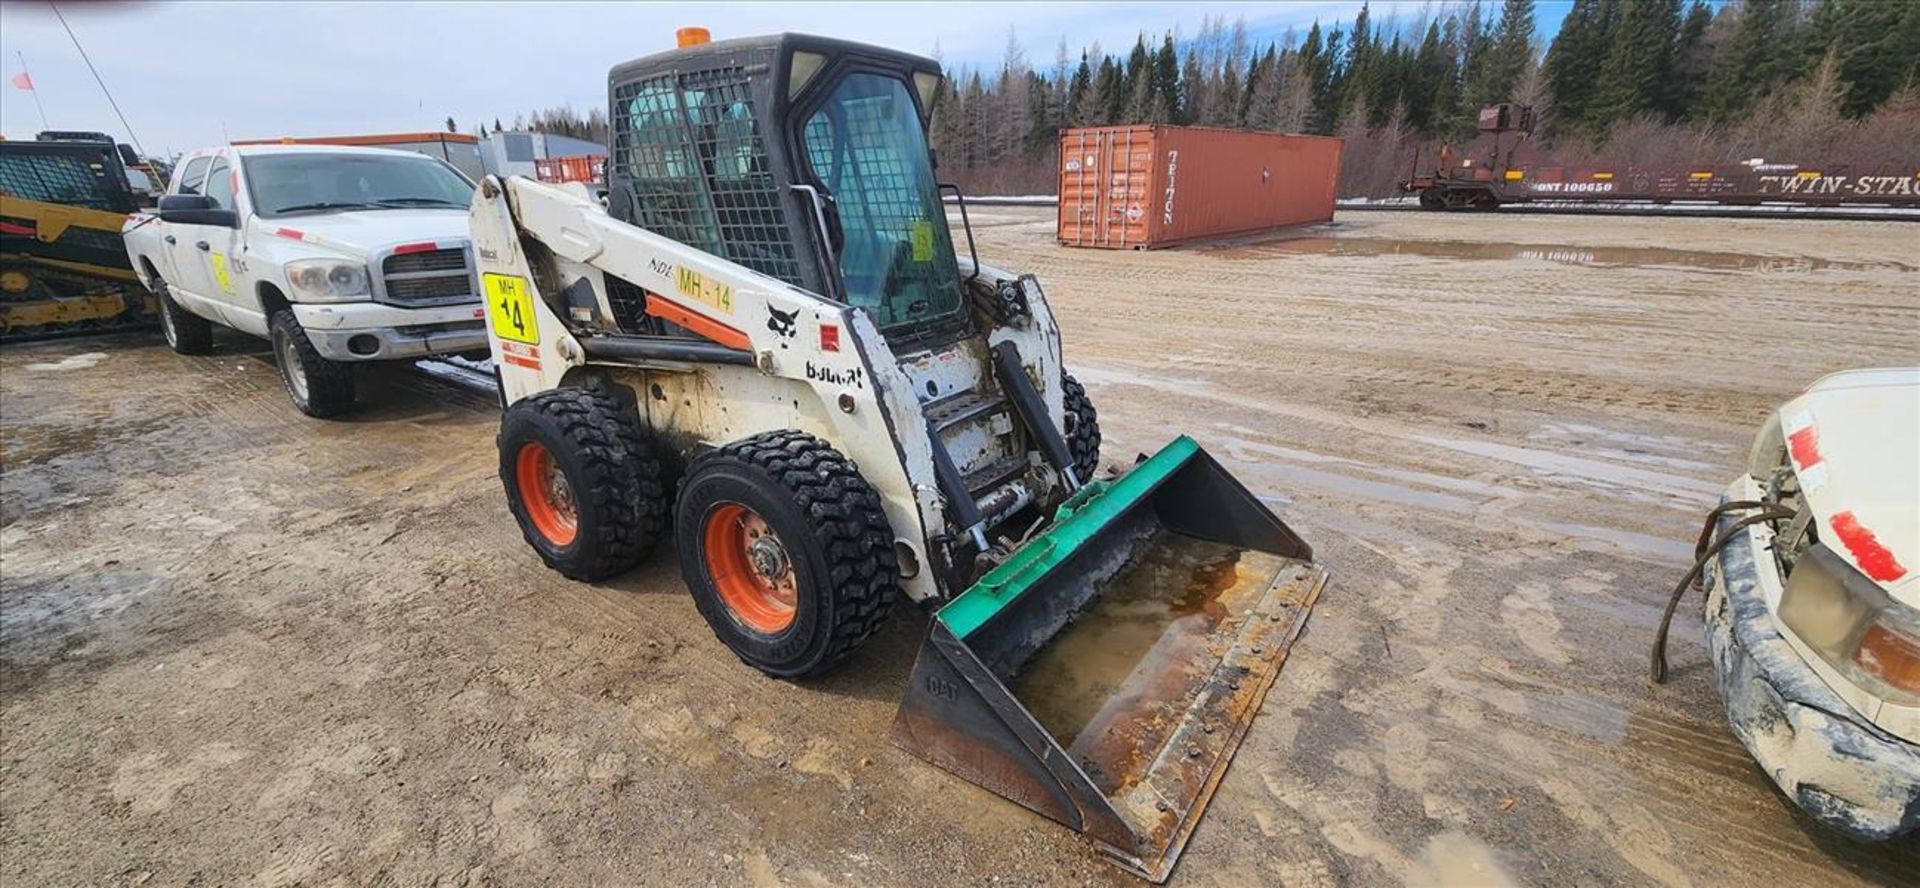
(1104, 675)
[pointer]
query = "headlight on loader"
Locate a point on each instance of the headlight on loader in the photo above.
(328, 280)
(1852, 624)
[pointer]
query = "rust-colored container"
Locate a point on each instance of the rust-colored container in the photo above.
(1151, 185)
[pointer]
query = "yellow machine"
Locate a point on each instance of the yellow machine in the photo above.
(63, 267)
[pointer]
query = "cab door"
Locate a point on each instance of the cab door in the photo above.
(219, 248)
(191, 246)
(183, 267)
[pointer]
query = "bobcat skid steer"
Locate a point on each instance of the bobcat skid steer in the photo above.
(766, 346)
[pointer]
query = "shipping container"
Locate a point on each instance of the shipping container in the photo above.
(1151, 185)
(459, 149)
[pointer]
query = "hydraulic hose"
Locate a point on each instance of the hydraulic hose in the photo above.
(1704, 551)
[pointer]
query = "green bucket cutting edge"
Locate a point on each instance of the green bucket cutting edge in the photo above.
(1080, 519)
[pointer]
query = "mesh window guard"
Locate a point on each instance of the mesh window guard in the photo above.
(690, 146)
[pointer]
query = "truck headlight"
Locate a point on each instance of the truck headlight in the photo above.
(1852, 624)
(328, 280)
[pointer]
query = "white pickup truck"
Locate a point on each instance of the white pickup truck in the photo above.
(337, 255)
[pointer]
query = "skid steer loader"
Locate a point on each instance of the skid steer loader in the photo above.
(63, 268)
(765, 345)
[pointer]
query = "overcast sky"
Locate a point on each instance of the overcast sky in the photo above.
(189, 75)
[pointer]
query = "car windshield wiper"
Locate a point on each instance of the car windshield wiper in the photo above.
(419, 201)
(327, 205)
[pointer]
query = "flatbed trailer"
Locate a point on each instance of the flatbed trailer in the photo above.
(1837, 185)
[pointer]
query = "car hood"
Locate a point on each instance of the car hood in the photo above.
(361, 233)
(1854, 439)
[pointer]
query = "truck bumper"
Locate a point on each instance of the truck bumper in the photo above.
(373, 332)
(1837, 766)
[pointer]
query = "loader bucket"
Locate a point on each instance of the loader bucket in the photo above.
(1104, 675)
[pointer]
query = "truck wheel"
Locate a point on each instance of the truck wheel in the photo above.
(584, 483)
(1083, 427)
(319, 387)
(786, 550)
(186, 333)
(1431, 200)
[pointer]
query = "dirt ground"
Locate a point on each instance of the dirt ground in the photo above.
(238, 646)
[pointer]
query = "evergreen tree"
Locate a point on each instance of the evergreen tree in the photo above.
(1361, 73)
(1080, 94)
(1755, 61)
(1686, 76)
(1511, 52)
(1263, 92)
(1166, 83)
(1639, 62)
(1430, 64)
(1876, 45)
(1229, 108)
(1575, 58)
(1109, 94)
(1194, 93)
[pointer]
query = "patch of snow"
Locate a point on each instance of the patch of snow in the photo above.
(70, 362)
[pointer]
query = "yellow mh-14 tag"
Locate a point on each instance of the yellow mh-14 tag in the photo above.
(510, 308)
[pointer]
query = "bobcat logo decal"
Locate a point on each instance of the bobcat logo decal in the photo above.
(781, 322)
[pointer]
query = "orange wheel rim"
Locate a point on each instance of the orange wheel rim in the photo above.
(547, 495)
(750, 568)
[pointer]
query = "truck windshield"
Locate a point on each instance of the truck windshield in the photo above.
(867, 146)
(295, 183)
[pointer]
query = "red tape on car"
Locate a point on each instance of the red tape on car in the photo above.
(1805, 445)
(1875, 560)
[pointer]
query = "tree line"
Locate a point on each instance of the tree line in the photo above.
(1827, 81)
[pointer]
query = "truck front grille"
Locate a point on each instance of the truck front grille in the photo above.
(429, 277)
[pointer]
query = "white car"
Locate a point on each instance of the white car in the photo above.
(1814, 620)
(338, 255)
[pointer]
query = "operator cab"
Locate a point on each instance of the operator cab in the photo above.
(803, 158)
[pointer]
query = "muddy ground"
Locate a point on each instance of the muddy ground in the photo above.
(241, 646)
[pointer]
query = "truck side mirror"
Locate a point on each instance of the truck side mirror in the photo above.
(196, 209)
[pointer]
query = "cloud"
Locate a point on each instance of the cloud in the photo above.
(195, 74)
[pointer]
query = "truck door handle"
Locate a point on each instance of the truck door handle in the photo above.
(170, 240)
(202, 245)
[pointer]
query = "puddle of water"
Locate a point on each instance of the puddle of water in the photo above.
(1157, 618)
(1677, 550)
(1367, 247)
(1301, 476)
(1245, 450)
(1454, 859)
(1590, 471)
(28, 444)
(1630, 447)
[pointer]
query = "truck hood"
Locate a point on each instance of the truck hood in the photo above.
(1854, 439)
(361, 233)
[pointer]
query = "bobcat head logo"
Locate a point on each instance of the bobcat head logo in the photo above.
(781, 322)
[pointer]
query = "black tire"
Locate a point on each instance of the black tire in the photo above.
(612, 472)
(319, 388)
(832, 532)
(1083, 427)
(186, 333)
(1431, 200)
